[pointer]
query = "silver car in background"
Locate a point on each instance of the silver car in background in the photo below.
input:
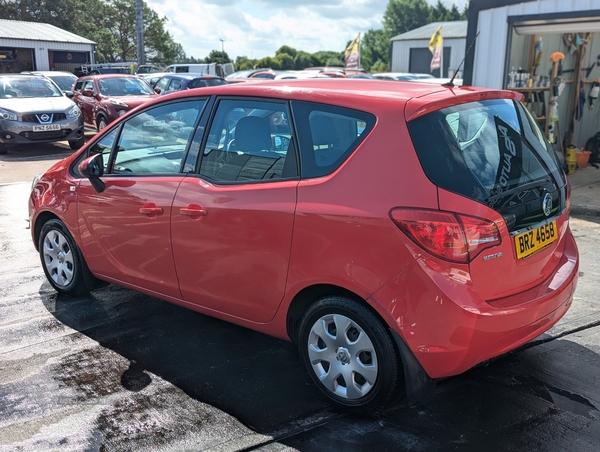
(34, 110)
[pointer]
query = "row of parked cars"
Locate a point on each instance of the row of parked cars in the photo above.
(64, 104)
(50, 106)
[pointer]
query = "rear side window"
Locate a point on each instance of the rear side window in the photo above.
(249, 141)
(493, 152)
(328, 135)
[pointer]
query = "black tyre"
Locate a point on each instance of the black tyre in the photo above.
(76, 144)
(3, 149)
(350, 355)
(62, 262)
(101, 123)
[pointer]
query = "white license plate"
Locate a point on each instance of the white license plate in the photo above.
(46, 127)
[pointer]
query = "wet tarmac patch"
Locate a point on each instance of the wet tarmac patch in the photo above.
(89, 374)
(563, 400)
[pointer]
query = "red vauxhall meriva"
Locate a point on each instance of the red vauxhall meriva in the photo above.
(397, 232)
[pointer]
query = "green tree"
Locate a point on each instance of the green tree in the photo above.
(375, 49)
(286, 49)
(329, 58)
(217, 56)
(302, 60)
(269, 62)
(286, 60)
(455, 14)
(438, 13)
(404, 15)
(109, 23)
(245, 65)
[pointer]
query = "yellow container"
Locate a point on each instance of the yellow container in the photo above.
(571, 159)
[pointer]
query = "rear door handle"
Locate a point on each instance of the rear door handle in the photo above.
(150, 209)
(193, 211)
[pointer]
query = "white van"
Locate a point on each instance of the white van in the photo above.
(206, 68)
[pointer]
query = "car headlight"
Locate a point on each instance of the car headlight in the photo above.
(35, 181)
(118, 102)
(74, 112)
(5, 114)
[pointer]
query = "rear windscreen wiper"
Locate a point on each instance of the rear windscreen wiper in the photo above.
(527, 186)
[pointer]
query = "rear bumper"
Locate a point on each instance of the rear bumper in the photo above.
(449, 329)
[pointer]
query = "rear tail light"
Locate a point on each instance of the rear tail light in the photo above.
(447, 235)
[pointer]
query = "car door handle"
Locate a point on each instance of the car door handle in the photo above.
(151, 210)
(193, 211)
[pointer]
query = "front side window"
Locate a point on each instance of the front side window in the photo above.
(173, 86)
(328, 135)
(156, 140)
(249, 141)
(492, 152)
(103, 146)
(162, 83)
(130, 86)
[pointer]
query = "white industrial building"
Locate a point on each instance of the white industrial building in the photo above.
(519, 36)
(410, 52)
(42, 47)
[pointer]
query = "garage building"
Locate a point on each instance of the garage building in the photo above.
(410, 52)
(37, 46)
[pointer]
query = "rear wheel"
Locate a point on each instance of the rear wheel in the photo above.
(349, 354)
(62, 262)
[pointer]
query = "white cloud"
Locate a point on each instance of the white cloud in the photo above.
(257, 28)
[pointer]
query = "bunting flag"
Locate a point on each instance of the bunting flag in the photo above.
(352, 54)
(436, 44)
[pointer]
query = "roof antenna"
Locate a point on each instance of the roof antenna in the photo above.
(451, 82)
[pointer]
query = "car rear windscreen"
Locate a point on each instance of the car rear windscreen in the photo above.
(493, 152)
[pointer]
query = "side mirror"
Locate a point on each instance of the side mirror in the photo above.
(87, 92)
(157, 90)
(69, 94)
(92, 167)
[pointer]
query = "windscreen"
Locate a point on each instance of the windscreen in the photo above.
(493, 152)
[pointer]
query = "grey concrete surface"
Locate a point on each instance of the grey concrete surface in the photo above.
(585, 191)
(120, 371)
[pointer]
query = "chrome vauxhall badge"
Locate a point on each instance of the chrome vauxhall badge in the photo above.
(547, 204)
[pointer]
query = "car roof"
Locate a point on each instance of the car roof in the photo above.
(190, 75)
(49, 73)
(414, 98)
(24, 76)
(103, 76)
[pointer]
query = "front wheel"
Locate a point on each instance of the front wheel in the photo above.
(61, 260)
(349, 354)
(101, 123)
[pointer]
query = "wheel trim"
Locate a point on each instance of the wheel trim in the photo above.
(342, 356)
(58, 258)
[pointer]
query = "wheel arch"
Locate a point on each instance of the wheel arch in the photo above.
(309, 295)
(102, 115)
(418, 385)
(41, 219)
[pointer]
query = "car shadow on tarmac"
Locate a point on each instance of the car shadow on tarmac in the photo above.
(516, 402)
(254, 377)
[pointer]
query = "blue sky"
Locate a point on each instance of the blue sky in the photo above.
(257, 28)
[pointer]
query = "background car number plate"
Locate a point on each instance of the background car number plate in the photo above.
(46, 127)
(530, 242)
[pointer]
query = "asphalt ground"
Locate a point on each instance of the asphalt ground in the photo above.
(121, 371)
